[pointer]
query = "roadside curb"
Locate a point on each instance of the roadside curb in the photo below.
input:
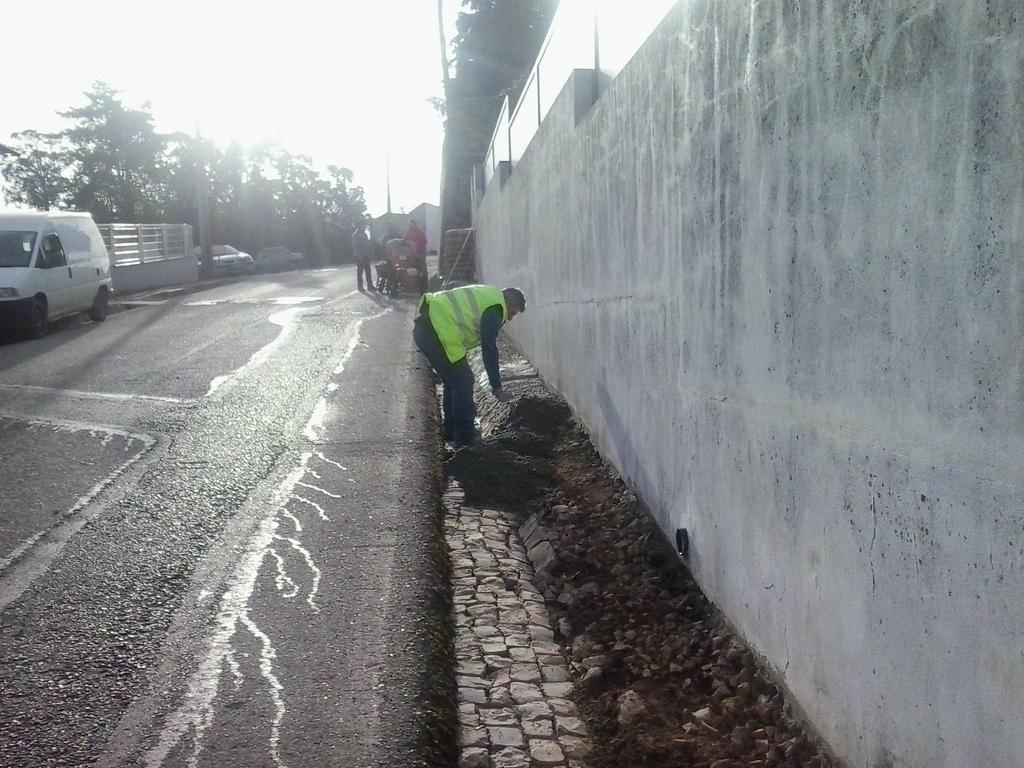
(170, 292)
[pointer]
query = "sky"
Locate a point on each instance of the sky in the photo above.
(338, 80)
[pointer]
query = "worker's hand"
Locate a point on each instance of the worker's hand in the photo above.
(501, 395)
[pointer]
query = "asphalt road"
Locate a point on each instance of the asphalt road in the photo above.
(217, 534)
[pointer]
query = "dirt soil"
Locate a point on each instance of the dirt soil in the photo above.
(662, 680)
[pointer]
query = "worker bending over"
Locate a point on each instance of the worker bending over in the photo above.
(449, 324)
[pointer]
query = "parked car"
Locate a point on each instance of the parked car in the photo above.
(277, 258)
(52, 265)
(227, 260)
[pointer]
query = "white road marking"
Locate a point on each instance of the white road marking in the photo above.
(196, 713)
(83, 501)
(288, 320)
(321, 490)
(281, 301)
(85, 395)
(67, 525)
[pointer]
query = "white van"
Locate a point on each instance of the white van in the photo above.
(51, 264)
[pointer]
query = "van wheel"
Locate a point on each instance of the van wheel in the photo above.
(100, 305)
(36, 318)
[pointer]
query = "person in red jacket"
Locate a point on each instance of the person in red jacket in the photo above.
(418, 238)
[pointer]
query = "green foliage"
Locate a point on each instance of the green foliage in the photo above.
(113, 163)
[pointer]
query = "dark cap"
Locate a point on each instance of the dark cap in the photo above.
(515, 297)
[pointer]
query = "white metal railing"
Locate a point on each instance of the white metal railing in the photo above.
(130, 244)
(584, 34)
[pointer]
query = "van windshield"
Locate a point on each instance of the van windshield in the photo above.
(16, 248)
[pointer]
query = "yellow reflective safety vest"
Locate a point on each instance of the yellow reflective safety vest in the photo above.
(455, 315)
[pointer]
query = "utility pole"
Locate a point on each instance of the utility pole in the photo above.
(203, 206)
(387, 169)
(446, 80)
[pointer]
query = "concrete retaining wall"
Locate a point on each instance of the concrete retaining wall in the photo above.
(778, 271)
(155, 274)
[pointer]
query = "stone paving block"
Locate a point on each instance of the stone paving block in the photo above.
(517, 640)
(471, 682)
(498, 716)
(574, 747)
(486, 630)
(506, 737)
(556, 690)
(535, 710)
(493, 648)
(544, 752)
(522, 654)
(538, 729)
(471, 668)
(538, 633)
(472, 737)
(563, 707)
(525, 672)
(495, 663)
(555, 674)
(547, 647)
(510, 758)
(569, 726)
(499, 697)
(523, 693)
(475, 757)
(515, 616)
(473, 695)
(550, 659)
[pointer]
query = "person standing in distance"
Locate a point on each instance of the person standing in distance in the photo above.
(448, 325)
(418, 238)
(361, 252)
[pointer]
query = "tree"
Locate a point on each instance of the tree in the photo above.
(113, 163)
(35, 175)
(118, 159)
(496, 45)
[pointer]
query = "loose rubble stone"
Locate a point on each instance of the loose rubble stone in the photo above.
(631, 708)
(544, 559)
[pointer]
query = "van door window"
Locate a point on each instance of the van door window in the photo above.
(51, 255)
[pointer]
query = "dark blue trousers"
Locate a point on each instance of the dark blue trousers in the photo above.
(458, 407)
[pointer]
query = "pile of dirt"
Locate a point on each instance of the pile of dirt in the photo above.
(663, 681)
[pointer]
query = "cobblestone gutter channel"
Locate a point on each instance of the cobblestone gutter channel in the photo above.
(513, 679)
(581, 639)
